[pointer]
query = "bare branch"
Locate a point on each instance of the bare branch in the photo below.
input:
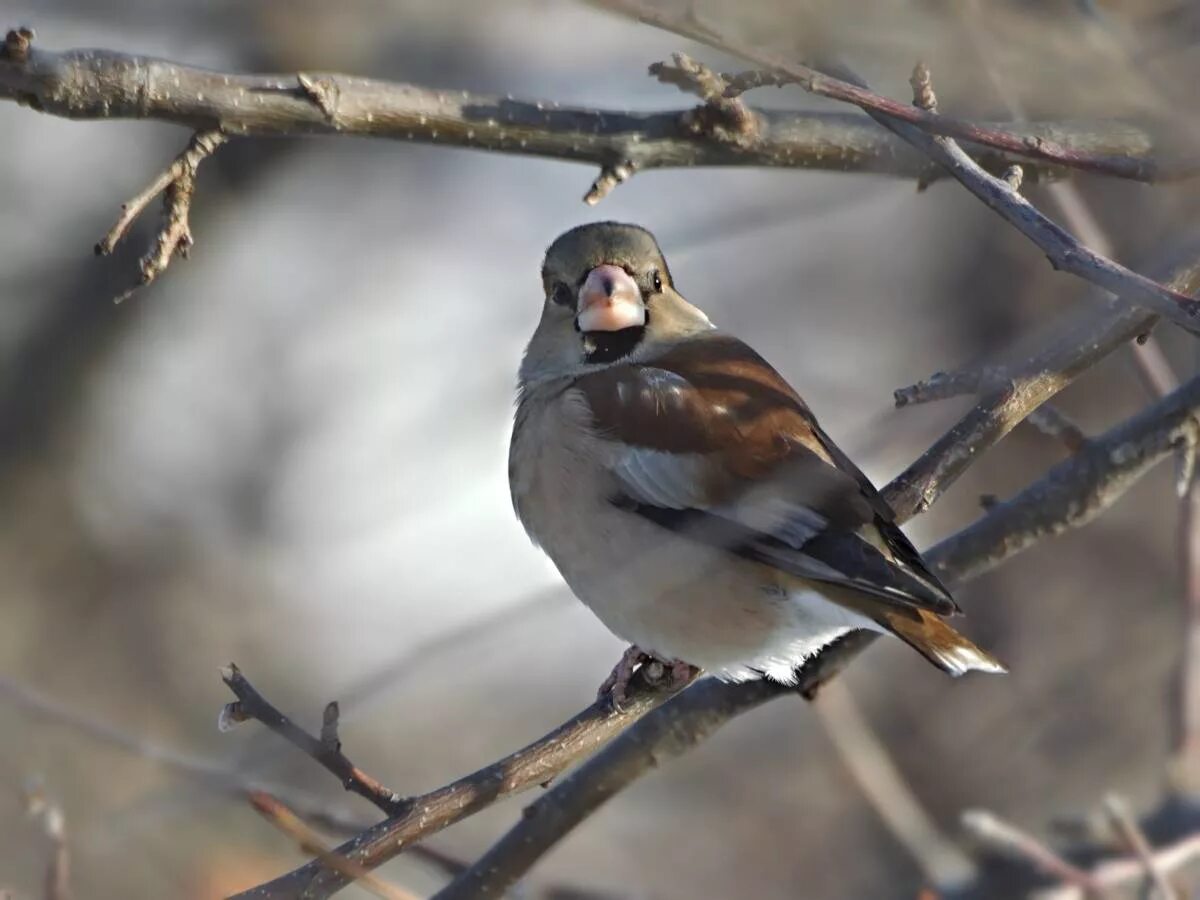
(538, 763)
(1133, 835)
(1115, 873)
(992, 831)
(1076, 490)
(211, 772)
(1063, 250)
(327, 749)
(825, 85)
(932, 134)
(103, 84)
(310, 842)
(665, 734)
(947, 867)
(1082, 339)
(1011, 392)
(1054, 423)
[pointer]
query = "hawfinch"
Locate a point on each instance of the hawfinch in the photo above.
(687, 494)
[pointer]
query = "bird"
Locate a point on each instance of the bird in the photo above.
(686, 493)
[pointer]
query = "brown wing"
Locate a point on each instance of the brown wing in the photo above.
(710, 441)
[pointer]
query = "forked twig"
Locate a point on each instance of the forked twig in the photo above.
(177, 184)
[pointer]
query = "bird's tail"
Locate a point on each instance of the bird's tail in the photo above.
(929, 635)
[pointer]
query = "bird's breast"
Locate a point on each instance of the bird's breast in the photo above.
(645, 583)
(550, 471)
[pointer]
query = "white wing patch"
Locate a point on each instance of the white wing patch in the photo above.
(763, 510)
(677, 481)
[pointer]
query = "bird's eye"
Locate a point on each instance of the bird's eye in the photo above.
(563, 295)
(656, 280)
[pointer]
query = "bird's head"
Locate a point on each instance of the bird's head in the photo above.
(608, 297)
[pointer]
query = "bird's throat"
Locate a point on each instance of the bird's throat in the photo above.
(610, 346)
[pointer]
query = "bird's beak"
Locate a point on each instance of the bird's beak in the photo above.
(609, 300)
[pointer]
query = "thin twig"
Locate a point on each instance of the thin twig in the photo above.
(326, 749)
(1054, 423)
(997, 834)
(57, 884)
(1116, 873)
(1062, 249)
(178, 186)
(221, 776)
(1133, 835)
(941, 861)
(310, 842)
(211, 772)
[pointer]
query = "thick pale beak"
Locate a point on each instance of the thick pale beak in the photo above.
(609, 300)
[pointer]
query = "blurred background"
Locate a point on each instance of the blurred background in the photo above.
(291, 451)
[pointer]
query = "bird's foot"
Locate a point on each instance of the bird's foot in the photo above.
(682, 674)
(616, 684)
(674, 673)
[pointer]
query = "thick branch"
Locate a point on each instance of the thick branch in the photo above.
(1010, 393)
(1076, 490)
(1085, 334)
(103, 84)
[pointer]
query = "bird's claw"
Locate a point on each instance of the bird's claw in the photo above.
(616, 685)
(676, 674)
